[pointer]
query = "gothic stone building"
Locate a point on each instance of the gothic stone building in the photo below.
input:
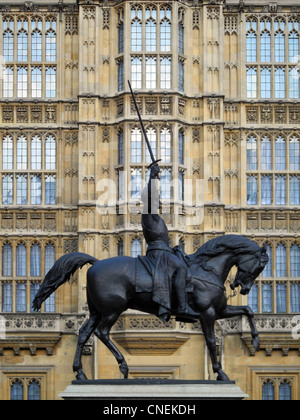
(218, 88)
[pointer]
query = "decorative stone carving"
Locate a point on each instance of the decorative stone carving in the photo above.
(166, 105)
(266, 114)
(8, 114)
(36, 114)
(252, 114)
(22, 114)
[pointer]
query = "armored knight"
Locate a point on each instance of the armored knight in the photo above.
(166, 266)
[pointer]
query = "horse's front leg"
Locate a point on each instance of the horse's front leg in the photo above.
(232, 311)
(208, 319)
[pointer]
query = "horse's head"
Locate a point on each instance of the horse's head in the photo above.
(249, 268)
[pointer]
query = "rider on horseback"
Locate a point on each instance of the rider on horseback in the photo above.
(163, 260)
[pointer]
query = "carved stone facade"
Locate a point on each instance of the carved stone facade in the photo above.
(204, 111)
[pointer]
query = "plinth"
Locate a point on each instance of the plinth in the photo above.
(152, 389)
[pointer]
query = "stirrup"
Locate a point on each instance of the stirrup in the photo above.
(186, 319)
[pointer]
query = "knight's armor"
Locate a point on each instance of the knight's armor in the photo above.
(161, 256)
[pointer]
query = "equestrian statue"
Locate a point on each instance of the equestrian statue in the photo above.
(165, 283)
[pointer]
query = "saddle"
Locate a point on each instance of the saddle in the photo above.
(144, 275)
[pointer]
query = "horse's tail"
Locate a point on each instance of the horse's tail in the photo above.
(59, 274)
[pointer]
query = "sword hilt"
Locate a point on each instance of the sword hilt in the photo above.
(154, 163)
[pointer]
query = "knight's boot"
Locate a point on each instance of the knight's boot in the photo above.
(184, 312)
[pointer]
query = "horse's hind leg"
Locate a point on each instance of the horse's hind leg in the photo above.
(102, 332)
(85, 333)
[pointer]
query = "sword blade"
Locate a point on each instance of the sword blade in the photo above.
(142, 125)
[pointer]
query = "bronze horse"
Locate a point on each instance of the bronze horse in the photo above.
(111, 290)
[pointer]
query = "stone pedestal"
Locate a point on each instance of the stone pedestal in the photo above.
(143, 390)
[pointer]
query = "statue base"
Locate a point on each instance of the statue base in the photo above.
(152, 389)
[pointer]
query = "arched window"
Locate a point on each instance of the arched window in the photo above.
(136, 146)
(22, 82)
(8, 45)
(165, 184)
(21, 260)
(280, 190)
(295, 261)
(266, 154)
(252, 195)
(16, 391)
(35, 260)
(293, 45)
(265, 41)
(151, 133)
(294, 154)
(267, 302)
(36, 82)
(268, 271)
(6, 260)
(36, 190)
(50, 82)
(251, 40)
(165, 30)
(49, 257)
(285, 391)
(51, 43)
(280, 154)
(36, 153)
(121, 147)
(50, 189)
(22, 45)
(151, 72)
(279, 27)
(294, 190)
(295, 298)
(120, 248)
(136, 248)
(265, 82)
(280, 83)
(7, 189)
(22, 153)
(49, 263)
(166, 145)
(266, 190)
(34, 390)
(8, 82)
(136, 183)
(253, 298)
(50, 153)
(165, 72)
(136, 72)
(281, 298)
(21, 189)
(268, 391)
(281, 261)
(151, 37)
(36, 45)
(7, 153)
(181, 144)
(136, 29)
(251, 46)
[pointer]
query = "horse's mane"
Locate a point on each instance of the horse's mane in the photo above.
(238, 244)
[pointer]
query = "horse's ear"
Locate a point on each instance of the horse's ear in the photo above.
(264, 249)
(264, 256)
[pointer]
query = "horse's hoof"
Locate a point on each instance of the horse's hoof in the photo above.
(124, 369)
(222, 377)
(81, 376)
(256, 344)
